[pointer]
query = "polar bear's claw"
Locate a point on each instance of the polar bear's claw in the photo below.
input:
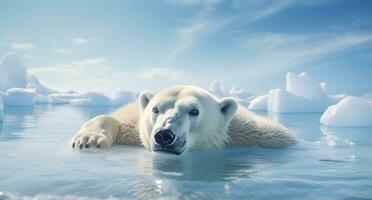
(90, 139)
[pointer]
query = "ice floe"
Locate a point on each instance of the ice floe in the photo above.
(302, 94)
(19, 97)
(351, 111)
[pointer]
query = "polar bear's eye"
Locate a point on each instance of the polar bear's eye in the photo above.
(155, 110)
(194, 112)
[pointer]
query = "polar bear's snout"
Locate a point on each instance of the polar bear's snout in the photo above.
(166, 140)
(164, 137)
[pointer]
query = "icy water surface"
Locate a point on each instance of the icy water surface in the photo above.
(36, 161)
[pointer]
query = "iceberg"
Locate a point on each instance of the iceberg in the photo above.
(13, 74)
(241, 95)
(349, 112)
(122, 97)
(118, 98)
(258, 103)
(303, 85)
(216, 88)
(33, 82)
(283, 101)
(19, 88)
(19, 97)
(302, 94)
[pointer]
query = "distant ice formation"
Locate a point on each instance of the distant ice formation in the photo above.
(13, 74)
(19, 88)
(302, 94)
(19, 97)
(258, 103)
(351, 111)
(241, 95)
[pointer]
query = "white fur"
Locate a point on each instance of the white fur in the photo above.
(221, 122)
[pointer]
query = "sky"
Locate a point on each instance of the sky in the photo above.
(91, 45)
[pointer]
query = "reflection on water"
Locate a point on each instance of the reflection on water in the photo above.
(360, 136)
(36, 160)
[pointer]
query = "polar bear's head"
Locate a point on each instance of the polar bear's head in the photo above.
(183, 118)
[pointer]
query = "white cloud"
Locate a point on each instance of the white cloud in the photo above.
(206, 22)
(89, 62)
(61, 51)
(187, 35)
(21, 46)
(82, 40)
(209, 21)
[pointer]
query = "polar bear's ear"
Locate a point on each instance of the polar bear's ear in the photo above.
(144, 99)
(228, 107)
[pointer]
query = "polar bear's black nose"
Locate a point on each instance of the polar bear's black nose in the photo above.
(164, 137)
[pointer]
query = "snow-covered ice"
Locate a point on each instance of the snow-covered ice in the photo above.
(121, 97)
(258, 103)
(283, 101)
(19, 97)
(304, 85)
(33, 82)
(302, 94)
(351, 111)
(18, 87)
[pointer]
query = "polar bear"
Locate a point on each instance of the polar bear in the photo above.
(181, 119)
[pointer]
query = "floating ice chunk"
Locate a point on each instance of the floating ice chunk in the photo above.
(19, 97)
(91, 99)
(13, 74)
(302, 94)
(304, 85)
(121, 97)
(283, 101)
(258, 103)
(351, 111)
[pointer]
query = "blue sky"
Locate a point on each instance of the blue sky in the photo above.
(148, 45)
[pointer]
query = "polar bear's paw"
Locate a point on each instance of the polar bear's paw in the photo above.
(91, 139)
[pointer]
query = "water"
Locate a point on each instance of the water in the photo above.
(36, 161)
